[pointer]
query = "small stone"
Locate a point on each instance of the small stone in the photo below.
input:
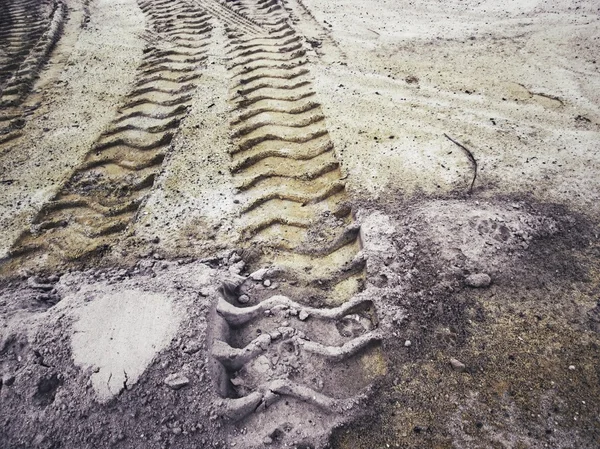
(192, 347)
(267, 440)
(285, 324)
(303, 315)
(267, 283)
(478, 280)
(407, 343)
(259, 275)
(244, 299)
(176, 430)
(176, 381)
(572, 367)
(457, 366)
(8, 380)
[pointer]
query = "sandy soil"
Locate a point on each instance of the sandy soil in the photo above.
(297, 223)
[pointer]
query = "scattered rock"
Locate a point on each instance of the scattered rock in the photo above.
(8, 380)
(478, 280)
(303, 315)
(267, 283)
(259, 275)
(244, 299)
(176, 381)
(407, 343)
(572, 367)
(457, 365)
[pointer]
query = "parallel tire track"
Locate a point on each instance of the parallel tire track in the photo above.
(104, 193)
(29, 32)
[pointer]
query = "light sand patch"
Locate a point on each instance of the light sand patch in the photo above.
(119, 334)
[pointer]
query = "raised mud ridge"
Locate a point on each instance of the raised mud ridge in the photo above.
(298, 359)
(28, 32)
(102, 196)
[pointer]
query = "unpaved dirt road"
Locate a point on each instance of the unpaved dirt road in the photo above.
(298, 223)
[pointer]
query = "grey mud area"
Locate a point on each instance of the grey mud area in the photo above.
(299, 224)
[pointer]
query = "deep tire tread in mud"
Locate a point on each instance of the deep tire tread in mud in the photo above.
(293, 205)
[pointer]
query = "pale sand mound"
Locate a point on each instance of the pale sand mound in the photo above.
(119, 335)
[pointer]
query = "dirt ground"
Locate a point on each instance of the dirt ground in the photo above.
(298, 223)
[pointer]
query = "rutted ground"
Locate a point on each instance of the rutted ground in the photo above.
(274, 223)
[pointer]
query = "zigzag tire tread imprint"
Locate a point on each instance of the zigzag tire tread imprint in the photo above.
(306, 345)
(29, 31)
(104, 193)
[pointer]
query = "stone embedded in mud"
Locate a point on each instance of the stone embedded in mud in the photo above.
(259, 275)
(478, 280)
(192, 347)
(176, 381)
(457, 365)
(8, 380)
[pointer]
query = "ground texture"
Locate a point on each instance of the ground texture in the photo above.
(298, 223)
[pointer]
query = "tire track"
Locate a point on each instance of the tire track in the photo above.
(293, 216)
(29, 31)
(232, 17)
(282, 157)
(104, 193)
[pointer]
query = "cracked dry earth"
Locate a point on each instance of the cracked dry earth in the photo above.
(299, 224)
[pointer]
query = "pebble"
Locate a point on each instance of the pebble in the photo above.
(192, 347)
(259, 275)
(457, 365)
(572, 367)
(176, 381)
(244, 299)
(303, 315)
(267, 283)
(407, 343)
(478, 280)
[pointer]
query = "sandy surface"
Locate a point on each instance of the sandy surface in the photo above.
(376, 159)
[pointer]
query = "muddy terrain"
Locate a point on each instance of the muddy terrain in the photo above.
(299, 224)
